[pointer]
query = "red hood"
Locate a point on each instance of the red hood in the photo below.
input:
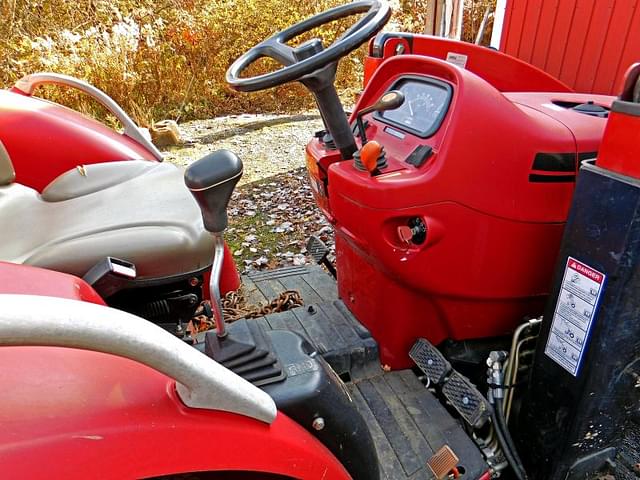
(586, 129)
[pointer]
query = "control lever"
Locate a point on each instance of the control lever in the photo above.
(211, 181)
(244, 348)
(389, 101)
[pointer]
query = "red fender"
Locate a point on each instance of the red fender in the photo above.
(24, 279)
(75, 414)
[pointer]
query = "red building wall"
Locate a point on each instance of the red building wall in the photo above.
(588, 44)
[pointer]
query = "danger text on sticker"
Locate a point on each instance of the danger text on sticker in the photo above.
(592, 274)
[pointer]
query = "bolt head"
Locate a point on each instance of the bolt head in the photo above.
(318, 423)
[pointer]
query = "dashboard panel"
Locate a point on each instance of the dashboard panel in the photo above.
(426, 102)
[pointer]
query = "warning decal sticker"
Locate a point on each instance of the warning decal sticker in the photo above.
(574, 314)
(458, 59)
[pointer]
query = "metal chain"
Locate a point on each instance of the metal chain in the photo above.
(235, 307)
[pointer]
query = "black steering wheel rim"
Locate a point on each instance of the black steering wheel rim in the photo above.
(377, 13)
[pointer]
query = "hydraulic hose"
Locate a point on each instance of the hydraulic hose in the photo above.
(511, 370)
(504, 437)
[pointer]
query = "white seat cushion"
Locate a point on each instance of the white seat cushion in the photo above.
(86, 179)
(146, 216)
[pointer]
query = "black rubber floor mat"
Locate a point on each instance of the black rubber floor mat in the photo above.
(409, 425)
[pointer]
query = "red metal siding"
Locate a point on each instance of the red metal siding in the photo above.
(587, 44)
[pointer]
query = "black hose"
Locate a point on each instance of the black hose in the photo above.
(505, 429)
(506, 442)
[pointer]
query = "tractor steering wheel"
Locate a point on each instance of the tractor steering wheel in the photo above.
(310, 56)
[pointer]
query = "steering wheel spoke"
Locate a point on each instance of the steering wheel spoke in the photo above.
(278, 51)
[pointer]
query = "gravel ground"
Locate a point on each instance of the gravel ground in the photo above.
(267, 144)
(272, 213)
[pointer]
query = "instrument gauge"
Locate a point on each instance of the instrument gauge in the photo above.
(426, 103)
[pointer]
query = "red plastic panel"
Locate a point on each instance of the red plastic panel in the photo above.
(75, 414)
(23, 279)
(493, 233)
(620, 148)
(45, 140)
(505, 73)
(586, 130)
(587, 44)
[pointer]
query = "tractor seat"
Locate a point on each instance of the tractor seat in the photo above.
(135, 210)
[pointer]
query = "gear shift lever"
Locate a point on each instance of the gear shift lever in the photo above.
(244, 348)
(211, 181)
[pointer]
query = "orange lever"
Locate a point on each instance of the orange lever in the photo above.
(369, 154)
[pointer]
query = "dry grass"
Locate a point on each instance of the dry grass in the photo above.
(165, 58)
(157, 58)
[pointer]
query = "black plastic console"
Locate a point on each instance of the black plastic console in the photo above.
(314, 396)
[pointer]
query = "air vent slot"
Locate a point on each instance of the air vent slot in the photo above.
(589, 108)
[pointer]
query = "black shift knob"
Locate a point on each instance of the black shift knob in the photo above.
(211, 181)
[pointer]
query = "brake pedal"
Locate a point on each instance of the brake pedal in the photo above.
(429, 359)
(319, 252)
(443, 462)
(467, 400)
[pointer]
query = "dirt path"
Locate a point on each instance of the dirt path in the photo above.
(267, 144)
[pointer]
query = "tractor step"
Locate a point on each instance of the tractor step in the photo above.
(334, 333)
(324, 321)
(311, 281)
(461, 393)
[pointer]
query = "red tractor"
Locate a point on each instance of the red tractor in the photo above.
(482, 322)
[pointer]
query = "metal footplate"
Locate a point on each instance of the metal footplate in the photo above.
(429, 359)
(460, 392)
(443, 462)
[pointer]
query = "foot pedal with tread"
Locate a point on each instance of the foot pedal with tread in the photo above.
(467, 400)
(319, 252)
(429, 359)
(443, 462)
(460, 392)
